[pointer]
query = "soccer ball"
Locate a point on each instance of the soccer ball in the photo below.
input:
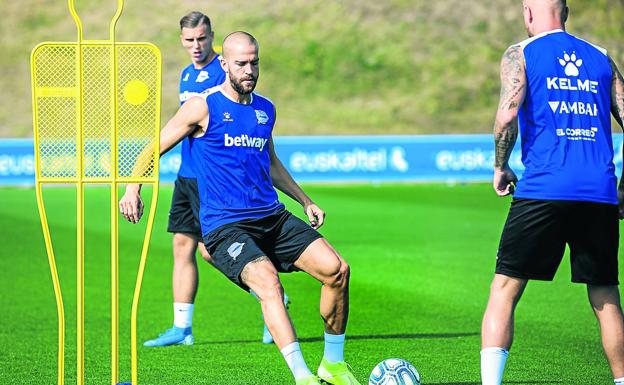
(394, 371)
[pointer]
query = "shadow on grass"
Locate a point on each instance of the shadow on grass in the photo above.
(404, 336)
(506, 382)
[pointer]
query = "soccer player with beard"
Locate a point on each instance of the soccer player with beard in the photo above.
(204, 72)
(246, 230)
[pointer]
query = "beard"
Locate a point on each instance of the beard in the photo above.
(240, 88)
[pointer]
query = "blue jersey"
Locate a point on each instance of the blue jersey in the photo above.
(232, 161)
(193, 82)
(565, 122)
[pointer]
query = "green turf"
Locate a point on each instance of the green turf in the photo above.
(422, 257)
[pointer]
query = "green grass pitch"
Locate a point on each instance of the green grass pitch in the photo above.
(422, 257)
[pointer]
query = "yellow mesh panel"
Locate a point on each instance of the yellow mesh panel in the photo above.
(97, 110)
(56, 86)
(138, 93)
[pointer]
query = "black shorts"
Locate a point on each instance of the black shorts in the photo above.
(282, 237)
(184, 212)
(537, 231)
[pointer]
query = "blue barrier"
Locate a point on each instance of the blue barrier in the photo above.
(17, 162)
(435, 158)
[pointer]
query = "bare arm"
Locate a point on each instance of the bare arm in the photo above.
(513, 91)
(283, 181)
(617, 109)
(191, 116)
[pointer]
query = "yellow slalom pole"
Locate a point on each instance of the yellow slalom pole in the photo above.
(60, 308)
(139, 282)
(55, 282)
(114, 287)
(79, 209)
(113, 203)
(80, 283)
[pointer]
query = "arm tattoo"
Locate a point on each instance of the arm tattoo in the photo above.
(504, 140)
(513, 90)
(617, 95)
(617, 102)
(513, 81)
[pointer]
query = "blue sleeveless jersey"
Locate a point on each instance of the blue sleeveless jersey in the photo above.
(565, 122)
(193, 82)
(232, 161)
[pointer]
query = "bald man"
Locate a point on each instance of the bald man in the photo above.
(560, 91)
(246, 229)
(204, 72)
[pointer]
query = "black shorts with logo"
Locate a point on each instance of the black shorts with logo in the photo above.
(536, 233)
(281, 236)
(184, 212)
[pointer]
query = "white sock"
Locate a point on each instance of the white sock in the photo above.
(294, 359)
(619, 381)
(334, 347)
(492, 365)
(183, 314)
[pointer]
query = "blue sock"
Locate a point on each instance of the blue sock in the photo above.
(334, 347)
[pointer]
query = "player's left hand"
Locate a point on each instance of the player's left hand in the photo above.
(316, 216)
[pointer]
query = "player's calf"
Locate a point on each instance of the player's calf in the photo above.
(605, 301)
(261, 277)
(267, 338)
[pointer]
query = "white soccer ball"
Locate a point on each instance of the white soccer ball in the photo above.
(394, 371)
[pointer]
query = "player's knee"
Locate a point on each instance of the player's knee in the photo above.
(509, 285)
(183, 242)
(497, 286)
(339, 274)
(505, 292)
(270, 288)
(263, 279)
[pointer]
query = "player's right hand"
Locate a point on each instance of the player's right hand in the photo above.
(131, 205)
(504, 182)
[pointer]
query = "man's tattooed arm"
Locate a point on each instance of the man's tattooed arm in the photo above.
(513, 90)
(617, 102)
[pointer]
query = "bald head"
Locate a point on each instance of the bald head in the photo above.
(549, 6)
(238, 41)
(544, 15)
